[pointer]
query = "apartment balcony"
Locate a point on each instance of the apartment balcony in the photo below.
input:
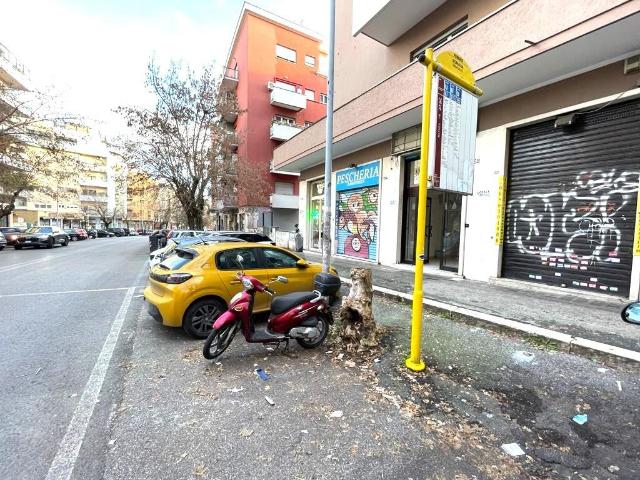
(93, 183)
(281, 200)
(387, 20)
(283, 132)
(94, 198)
(12, 71)
(288, 99)
(230, 79)
(550, 45)
(231, 116)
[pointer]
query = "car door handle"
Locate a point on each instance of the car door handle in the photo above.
(235, 282)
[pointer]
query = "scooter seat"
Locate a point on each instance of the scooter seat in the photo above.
(285, 302)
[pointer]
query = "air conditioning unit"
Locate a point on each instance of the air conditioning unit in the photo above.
(271, 85)
(632, 64)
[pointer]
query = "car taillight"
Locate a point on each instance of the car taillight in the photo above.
(178, 277)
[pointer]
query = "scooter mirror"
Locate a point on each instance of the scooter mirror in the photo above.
(631, 313)
(282, 279)
(240, 259)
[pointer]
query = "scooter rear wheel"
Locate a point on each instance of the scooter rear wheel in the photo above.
(323, 327)
(218, 341)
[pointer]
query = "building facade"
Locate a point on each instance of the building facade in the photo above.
(86, 199)
(555, 187)
(275, 73)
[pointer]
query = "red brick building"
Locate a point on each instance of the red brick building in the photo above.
(276, 70)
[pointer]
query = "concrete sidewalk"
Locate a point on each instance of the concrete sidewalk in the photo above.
(569, 313)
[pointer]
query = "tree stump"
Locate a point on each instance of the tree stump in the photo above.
(358, 330)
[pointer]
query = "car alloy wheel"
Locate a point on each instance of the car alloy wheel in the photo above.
(204, 317)
(201, 315)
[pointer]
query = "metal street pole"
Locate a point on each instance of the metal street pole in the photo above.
(328, 150)
(414, 362)
(454, 68)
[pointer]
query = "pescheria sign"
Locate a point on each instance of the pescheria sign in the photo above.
(366, 175)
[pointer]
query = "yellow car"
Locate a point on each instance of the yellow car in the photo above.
(194, 286)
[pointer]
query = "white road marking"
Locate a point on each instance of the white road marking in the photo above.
(63, 292)
(15, 266)
(65, 460)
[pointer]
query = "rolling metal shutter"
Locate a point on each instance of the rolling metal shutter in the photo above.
(571, 201)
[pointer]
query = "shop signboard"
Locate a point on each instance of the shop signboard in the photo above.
(453, 125)
(357, 206)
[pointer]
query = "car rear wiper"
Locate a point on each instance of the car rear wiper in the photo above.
(202, 240)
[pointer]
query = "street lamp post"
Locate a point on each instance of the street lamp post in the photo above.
(328, 152)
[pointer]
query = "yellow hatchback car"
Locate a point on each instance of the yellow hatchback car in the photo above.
(193, 287)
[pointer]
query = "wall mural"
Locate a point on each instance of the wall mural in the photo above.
(357, 223)
(357, 190)
(578, 227)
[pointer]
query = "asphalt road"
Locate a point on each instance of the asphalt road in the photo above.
(93, 388)
(58, 308)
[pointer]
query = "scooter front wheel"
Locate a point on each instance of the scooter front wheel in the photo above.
(218, 341)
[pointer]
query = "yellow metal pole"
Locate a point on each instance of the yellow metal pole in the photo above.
(414, 362)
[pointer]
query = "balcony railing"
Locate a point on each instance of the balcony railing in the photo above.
(230, 78)
(92, 182)
(291, 100)
(281, 200)
(283, 131)
(12, 71)
(94, 198)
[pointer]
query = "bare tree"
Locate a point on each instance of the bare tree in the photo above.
(33, 142)
(181, 141)
(106, 215)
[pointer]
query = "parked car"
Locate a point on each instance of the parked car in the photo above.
(3, 241)
(118, 232)
(83, 233)
(42, 237)
(74, 235)
(10, 234)
(184, 233)
(133, 233)
(190, 290)
(247, 236)
(142, 231)
(126, 231)
(100, 233)
(160, 254)
(92, 233)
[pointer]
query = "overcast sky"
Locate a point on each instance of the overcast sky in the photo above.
(94, 52)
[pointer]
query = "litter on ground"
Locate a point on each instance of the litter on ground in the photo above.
(580, 419)
(512, 449)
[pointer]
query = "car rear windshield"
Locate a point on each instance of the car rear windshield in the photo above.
(39, 230)
(178, 259)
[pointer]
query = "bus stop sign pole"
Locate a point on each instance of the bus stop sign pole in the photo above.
(455, 69)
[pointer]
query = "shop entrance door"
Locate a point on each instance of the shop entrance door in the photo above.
(410, 212)
(316, 202)
(450, 250)
(410, 227)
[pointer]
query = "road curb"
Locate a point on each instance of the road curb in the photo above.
(495, 320)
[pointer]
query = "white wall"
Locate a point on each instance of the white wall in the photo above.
(390, 212)
(482, 256)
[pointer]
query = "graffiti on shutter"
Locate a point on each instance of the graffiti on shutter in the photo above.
(571, 210)
(357, 223)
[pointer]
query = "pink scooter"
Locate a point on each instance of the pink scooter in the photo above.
(304, 316)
